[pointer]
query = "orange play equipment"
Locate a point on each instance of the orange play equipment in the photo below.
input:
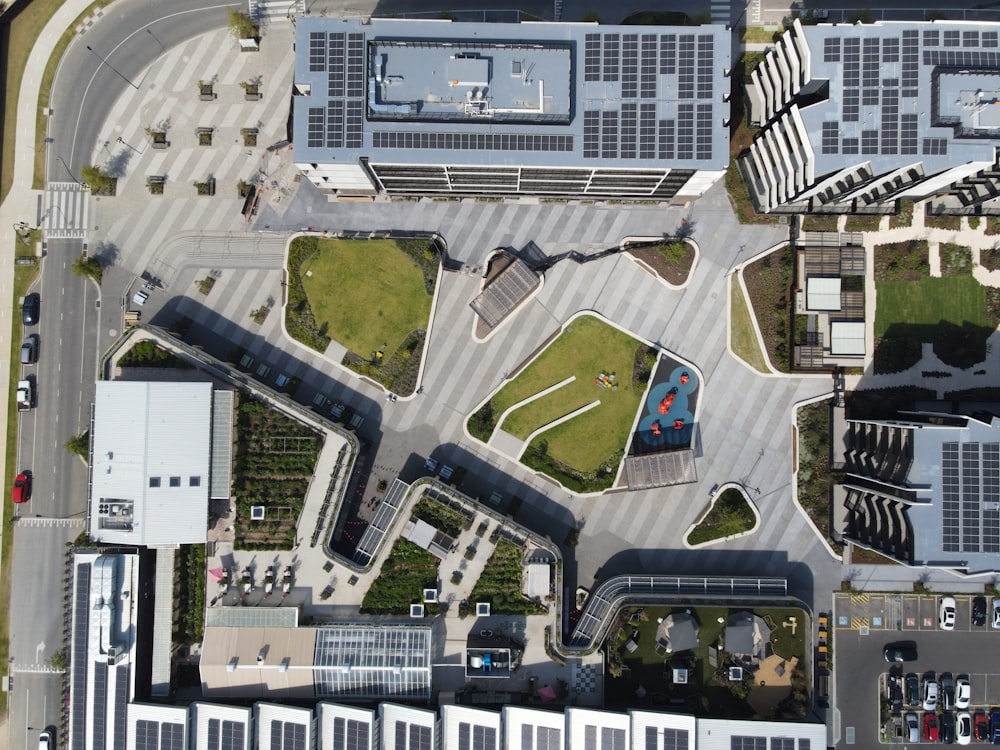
(684, 378)
(668, 401)
(656, 428)
(678, 424)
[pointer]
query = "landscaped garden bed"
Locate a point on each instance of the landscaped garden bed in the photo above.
(769, 284)
(582, 453)
(903, 217)
(671, 261)
(943, 221)
(743, 338)
(275, 459)
(441, 516)
(189, 594)
(989, 258)
(820, 222)
(814, 478)
(729, 515)
(868, 223)
(500, 583)
(956, 260)
(372, 296)
(406, 572)
(148, 354)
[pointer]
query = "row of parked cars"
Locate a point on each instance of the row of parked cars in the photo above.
(951, 728)
(945, 702)
(946, 613)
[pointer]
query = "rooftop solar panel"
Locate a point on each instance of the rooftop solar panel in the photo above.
(611, 57)
(782, 743)
(910, 78)
(629, 128)
(630, 66)
(336, 69)
(612, 739)
(666, 138)
(831, 49)
(548, 738)
(171, 736)
(668, 54)
(147, 735)
(590, 737)
(122, 698)
(99, 704)
(317, 52)
(675, 739)
(831, 138)
(355, 64)
(647, 63)
(78, 686)
(420, 737)
(592, 57)
(609, 135)
(742, 742)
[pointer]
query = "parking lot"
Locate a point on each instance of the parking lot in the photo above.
(863, 625)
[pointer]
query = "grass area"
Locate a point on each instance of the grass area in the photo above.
(820, 222)
(442, 517)
(708, 692)
(884, 403)
(366, 294)
(189, 593)
(904, 216)
(814, 463)
(148, 354)
(956, 260)
(769, 284)
(993, 225)
(865, 223)
(760, 35)
(730, 514)
(949, 312)
(943, 221)
(24, 277)
(743, 338)
(500, 583)
(407, 570)
(275, 458)
(586, 348)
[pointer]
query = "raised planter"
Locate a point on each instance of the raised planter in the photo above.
(204, 136)
(206, 92)
(159, 140)
(155, 184)
(206, 188)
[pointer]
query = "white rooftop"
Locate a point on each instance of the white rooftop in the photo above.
(533, 729)
(822, 293)
(150, 463)
(283, 727)
(464, 727)
(216, 726)
(847, 337)
(156, 727)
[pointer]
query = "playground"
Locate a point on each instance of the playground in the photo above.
(671, 404)
(590, 365)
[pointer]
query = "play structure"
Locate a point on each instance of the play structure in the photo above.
(668, 401)
(673, 398)
(606, 381)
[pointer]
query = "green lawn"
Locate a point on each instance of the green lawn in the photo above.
(743, 337)
(730, 514)
(586, 348)
(365, 294)
(956, 299)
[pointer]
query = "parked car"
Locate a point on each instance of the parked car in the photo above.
(981, 726)
(930, 695)
(946, 695)
(995, 723)
(930, 727)
(45, 741)
(979, 611)
(29, 350)
(30, 309)
(21, 492)
(946, 614)
(947, 728)
(900, 651)
(894, 693)
(912, 727)
(963, 693)
(964, 722)
(995, 619)
(912, 690)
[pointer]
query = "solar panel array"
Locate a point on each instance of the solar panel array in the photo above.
(224, 734)
(288, 735)
(673, 739)
(634, 131)
(413, 736)
(476, 737)
(350, 734)
(121, 706)
(539, 738)
(471, 141)
(78, 650)
(155, 735)
(611, 738)
(970, 497)
(99, 704)
(782, 743)
(744, 742)
(342, 56)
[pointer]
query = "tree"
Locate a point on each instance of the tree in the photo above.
(58, 660)
(242, 25)
(79, 444)
(88, 266)
(101, 183)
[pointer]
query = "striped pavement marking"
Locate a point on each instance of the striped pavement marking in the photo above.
(66, 211)
(857, 623)
(49, 522)
(863, 597)
(721, 10)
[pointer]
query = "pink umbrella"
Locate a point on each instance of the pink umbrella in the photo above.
(547, 694)
(216, 573)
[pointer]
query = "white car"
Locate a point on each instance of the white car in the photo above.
(947, 615)
(996, 614)
(964, 732)
(45, 741)
(930, 695)
(963, 693)
(912, 727)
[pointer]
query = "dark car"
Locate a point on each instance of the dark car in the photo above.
(995, 727)
(979, 611)
(894, 690)
(30, 309)
(947, 691)
(900, 651)
(948, 728)
(912, 690)
(21, 492)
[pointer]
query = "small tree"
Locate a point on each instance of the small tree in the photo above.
(88, 266)
(101, 183)
(58, 660)
(242, 25)
(80, 445)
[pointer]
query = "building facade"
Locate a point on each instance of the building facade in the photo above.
(855, 117)
(567, 110)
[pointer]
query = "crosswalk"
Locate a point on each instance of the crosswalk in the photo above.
(50, 522)
(67, 211)
(721, 11)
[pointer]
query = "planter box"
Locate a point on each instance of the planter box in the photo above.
(256, 97)
(205, 188)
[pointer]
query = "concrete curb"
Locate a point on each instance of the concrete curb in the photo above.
(711, 504)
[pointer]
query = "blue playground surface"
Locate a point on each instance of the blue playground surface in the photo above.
(670, 404)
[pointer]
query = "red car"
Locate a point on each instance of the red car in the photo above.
(22, 487)
(930, 727)
(981, 727)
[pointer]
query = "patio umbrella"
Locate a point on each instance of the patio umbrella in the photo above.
(216, 573)
(547, 694)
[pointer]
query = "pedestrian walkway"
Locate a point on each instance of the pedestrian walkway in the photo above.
(67, 211)
(721, 11)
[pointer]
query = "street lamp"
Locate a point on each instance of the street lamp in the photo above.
(113, 68)
(70, 171)
(122, 142)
